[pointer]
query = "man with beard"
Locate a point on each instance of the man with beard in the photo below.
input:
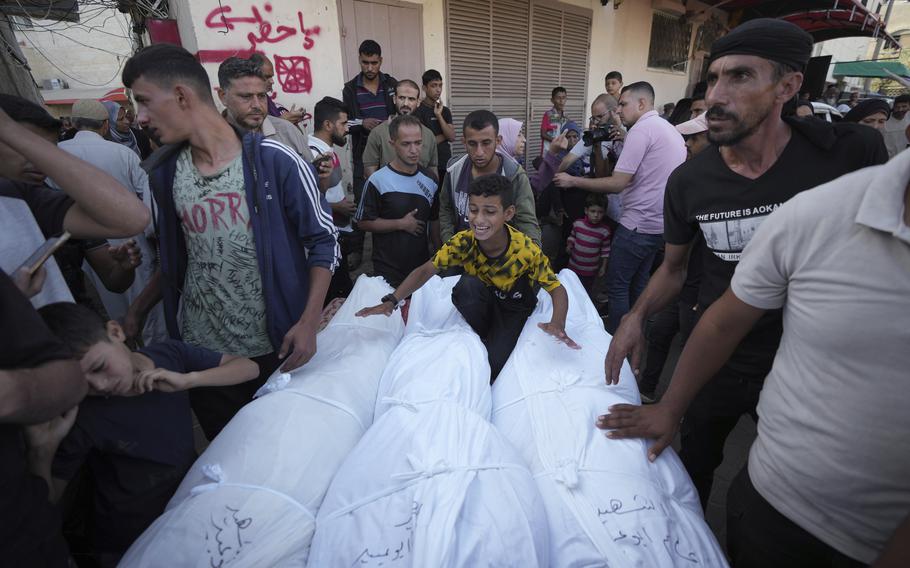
(292, 115)
(651, 151)
(244, 93)
(331, 124)
(380, 150)
(758, 161)
(896, 126)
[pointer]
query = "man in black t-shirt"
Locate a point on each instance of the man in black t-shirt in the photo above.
(758, 162)
(397, 205)
(437, 117)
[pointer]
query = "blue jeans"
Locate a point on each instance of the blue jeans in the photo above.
(628, 270)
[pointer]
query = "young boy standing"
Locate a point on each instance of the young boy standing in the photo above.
(437, 117)
(588, 244)
(502, 269)
(554, 119)
(397, 205)
(136, 434)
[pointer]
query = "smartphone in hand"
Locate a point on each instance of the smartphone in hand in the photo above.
(42, 253)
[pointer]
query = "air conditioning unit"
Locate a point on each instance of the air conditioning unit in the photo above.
(54, 84)
(670, 7)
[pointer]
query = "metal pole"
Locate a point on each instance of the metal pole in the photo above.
(867, 84)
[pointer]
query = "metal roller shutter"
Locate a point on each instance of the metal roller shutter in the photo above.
(560, 43)
(507, 55)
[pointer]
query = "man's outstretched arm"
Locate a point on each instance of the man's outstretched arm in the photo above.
(711, 344)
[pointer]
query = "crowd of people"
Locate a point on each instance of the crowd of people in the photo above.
(200, 248)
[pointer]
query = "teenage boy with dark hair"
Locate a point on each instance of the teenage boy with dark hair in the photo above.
(554, 119)
(480, 135)
(247, 243)
(136, 434)
(370, 99)
(613, 84)
(437, 117)
(502, 270)
(397, 205)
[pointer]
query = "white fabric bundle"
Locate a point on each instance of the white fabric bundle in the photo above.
(251, 498)
(432, 483)
(606, 504)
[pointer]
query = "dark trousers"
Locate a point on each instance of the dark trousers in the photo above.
(355, 238)
(215, 406)
(628, 271)
(341, 283)
(496, 317)
(678, 317)
(759, 536)
(710, 419)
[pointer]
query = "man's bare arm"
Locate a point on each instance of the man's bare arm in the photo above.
(103, 208)
(711, 344)
(615, 183)
(663, 287)
(38, 394)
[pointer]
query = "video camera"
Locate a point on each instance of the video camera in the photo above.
(596, 135)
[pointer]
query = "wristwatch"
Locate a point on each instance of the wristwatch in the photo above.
(391, 298)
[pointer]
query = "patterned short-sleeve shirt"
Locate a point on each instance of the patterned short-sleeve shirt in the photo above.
(522, 258)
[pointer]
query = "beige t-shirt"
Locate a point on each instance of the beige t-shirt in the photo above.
(379, 151)
(222, 308)
(832, 452)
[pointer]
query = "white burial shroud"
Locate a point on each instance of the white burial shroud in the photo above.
(432, 483)
(251, 498)
(606, 504)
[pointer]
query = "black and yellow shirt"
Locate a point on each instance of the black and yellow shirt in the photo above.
(521, 258)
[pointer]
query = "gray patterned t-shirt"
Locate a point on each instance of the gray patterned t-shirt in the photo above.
(223, 308)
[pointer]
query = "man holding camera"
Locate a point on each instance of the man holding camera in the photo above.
(651, 151)
(599, 144)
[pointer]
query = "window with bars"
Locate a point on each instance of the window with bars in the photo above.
(670, 38)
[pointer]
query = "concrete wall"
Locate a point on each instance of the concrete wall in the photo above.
(90, 52)
(434, 37)
(301, 38)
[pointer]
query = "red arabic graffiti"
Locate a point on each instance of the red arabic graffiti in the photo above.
(265, 32)
(293, 74)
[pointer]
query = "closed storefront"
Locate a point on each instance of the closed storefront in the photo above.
(507, 55)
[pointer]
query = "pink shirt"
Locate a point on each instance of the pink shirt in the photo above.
(652, 150)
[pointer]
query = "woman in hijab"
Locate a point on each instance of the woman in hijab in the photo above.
(120, 131)
(871, 112)
(513, 139)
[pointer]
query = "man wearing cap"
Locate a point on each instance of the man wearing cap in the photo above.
(92, 121)
(718, 200)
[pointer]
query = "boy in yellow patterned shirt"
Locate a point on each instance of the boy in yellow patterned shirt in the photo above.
(502, 269)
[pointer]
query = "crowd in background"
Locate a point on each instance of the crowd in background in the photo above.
(205, 246)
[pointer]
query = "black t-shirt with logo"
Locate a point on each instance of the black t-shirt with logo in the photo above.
(428, 118)
(706, 197)
(390, 194)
